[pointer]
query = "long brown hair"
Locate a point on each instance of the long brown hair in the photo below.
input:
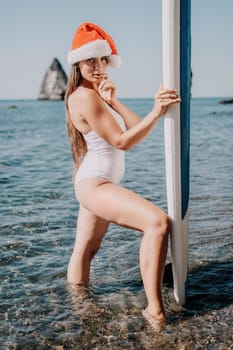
(77, 143)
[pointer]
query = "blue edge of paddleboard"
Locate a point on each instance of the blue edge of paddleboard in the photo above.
(185, 93)
(185, 84)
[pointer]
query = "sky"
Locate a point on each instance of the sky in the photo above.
(32, 33)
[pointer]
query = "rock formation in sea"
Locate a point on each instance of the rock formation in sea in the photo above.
(53, 86)
(225, 101)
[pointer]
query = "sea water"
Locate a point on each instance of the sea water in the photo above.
(38, 222)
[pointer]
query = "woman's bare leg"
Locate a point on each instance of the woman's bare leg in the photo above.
(153, 254)
(119, 205)
(90, 232)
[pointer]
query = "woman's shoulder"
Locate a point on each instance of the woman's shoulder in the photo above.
(82, 94)
(84, 100)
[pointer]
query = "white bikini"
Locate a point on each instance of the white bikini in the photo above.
(102, 160)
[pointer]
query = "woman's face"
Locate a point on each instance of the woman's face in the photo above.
(93, 69)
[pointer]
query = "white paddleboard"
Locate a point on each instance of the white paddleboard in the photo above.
(177, 74)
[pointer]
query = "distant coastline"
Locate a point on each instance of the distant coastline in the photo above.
(226, 101)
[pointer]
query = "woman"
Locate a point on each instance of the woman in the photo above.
(101, 129)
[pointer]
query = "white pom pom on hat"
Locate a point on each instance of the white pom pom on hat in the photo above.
(92, 41)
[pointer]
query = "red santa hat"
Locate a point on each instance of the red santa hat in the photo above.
(92, 41)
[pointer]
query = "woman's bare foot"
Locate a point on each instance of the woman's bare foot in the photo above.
(156, 324)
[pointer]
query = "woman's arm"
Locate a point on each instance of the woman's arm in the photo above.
(107, 90)
(163, 100)
(92, 108)
(130, 118)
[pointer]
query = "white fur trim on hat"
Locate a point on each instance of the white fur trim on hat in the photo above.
(97, 48)
(115, 61)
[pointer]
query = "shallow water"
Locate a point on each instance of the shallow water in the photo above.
(38, 217)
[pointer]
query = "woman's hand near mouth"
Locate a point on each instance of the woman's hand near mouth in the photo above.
(107, 89)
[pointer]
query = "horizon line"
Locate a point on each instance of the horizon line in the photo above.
(121, 98)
